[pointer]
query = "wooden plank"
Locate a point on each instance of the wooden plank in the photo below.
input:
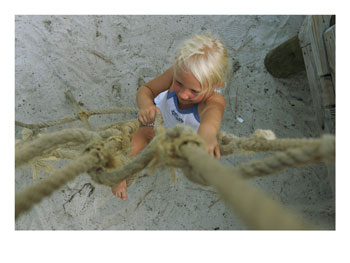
(329, 40)
(330, 120)
(327, 91)
(319, 57)
(319, 24)
(311, 32)
(304, 34)
(315, 86)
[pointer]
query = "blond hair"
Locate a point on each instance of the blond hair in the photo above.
(206, 58)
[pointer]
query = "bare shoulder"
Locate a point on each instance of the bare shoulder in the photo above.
(215, 98)
(215, 101)
(161, 83)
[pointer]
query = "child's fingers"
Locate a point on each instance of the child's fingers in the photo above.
(210, 151)
(214, 152)
(217, 153)
(148, 116)
(143, 119)
(152, 114)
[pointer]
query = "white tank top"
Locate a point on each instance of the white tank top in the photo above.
(173, 115)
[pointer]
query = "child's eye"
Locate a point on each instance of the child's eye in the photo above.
(195, 91)
(178, 83)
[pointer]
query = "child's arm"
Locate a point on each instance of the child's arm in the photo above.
(146, 94)
(210, 117)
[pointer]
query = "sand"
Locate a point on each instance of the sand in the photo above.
(103, 60)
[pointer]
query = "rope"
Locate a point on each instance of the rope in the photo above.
(320, 150)
(79, 116)
(105, 161)
(46, 124)
(48, 142)
(82, 114)
(114, 111)
(96, 155)
(34, 194)
(255, 208)
(261, 141)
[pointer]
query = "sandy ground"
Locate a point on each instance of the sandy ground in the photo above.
(102, 60)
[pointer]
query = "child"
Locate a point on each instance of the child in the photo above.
(187, 93)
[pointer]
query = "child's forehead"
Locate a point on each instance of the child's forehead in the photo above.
(189, 81)
(186, 76)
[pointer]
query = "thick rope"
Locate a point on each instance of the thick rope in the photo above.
(181, 147)
(96, 154)
(51, 141)
(256, 209)
(64, 154)
(321, 150)
(161, 151)
(34, 194)
(261, 141)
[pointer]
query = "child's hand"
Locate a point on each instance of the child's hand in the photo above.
(147, 115)
(211, 143)
(212, 146)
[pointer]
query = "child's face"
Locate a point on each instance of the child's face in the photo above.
(187, 88)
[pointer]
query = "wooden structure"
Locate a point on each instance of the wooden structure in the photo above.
(313, 50)
(317, 41)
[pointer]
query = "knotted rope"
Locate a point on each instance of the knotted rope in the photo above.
(77, 117)
(105, 159)
(181, 147)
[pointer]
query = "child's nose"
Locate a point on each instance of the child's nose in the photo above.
(183, 94)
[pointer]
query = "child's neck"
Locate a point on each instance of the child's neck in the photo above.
(184, 106)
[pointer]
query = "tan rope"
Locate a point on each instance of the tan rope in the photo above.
(129, 171)
(261, 141)
(77, 117)
(82, 114)
(321, 150)
(112, 125)
(64, 154)
(181, 147)
(256, 209)
(114, 111)
(46, 124)
(97, 154)
(34, 194)
(48, 142)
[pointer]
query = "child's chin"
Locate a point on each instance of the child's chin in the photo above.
(185, 101)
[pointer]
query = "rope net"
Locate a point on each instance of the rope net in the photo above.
(103, 154)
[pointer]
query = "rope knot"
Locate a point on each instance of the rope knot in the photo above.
(167, 148)
(83, 115)
(109, 155)
(96, 148)
(179, 136)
